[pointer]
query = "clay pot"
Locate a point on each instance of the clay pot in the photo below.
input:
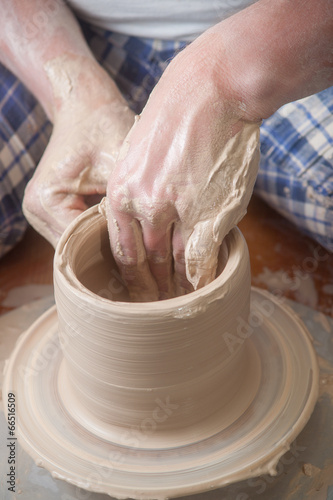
(167, 364)
(159, 399)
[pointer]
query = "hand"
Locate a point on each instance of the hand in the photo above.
(183, 179)
(90, 124)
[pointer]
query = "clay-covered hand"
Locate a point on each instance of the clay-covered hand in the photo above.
(91, 120)
(183, 179)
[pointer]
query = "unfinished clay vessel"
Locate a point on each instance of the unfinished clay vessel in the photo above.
(159, 399)
(166, 365)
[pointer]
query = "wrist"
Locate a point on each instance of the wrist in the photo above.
(240, 72)
(273, 52)
(79, 81)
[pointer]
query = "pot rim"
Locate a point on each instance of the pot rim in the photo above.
(185, 305)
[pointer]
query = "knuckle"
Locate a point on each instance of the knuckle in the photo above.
(119, 197)
(30, 199)
(156, 257)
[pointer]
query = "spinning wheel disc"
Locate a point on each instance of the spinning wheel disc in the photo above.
(285, 396)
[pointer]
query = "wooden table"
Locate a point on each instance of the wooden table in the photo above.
(282, 260)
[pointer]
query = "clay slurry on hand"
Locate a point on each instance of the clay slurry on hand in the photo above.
(232, 176)
(200, 212)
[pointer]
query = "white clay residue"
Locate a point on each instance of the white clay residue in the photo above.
(307, 293)
(221, 202)
(274, 280)
(301, 284)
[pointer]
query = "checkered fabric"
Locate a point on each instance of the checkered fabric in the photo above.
(24, 134)
(296, 166)
(297, 155)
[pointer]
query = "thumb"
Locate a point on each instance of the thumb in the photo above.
(201, 254)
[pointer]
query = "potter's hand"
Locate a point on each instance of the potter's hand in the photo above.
(187, 172)
(89, 129)
(184, 178)
(90, 117)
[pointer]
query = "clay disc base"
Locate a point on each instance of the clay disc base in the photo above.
(248, 447)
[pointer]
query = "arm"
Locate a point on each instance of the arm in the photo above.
(34, 33)
(41, 42)
(186, 173)
(275, 51)
(36, 38)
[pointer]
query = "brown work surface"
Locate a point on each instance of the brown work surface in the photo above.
(283, 260)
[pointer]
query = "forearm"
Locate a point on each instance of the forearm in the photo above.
(41, 42)
(33, 33)
(273, 52)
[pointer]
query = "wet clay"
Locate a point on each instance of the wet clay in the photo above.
(125, 361)
(160, 399)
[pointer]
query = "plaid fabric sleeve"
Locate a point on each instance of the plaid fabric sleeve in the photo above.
(24, 133)
(296, 167)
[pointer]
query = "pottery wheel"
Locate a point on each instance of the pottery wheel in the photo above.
(249, 446)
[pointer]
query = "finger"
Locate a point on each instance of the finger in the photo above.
(91, 178)
(61, 210)
(157, 243)
(49, 212)
(129, 253)
(182, 285)
(201, 254)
